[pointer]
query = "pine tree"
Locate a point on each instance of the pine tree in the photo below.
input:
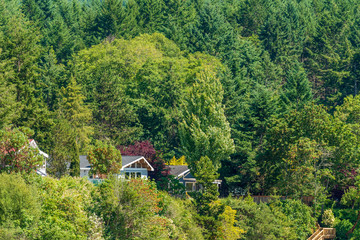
(328, 53)
(211, 33)
(296, 90)
(9, 108)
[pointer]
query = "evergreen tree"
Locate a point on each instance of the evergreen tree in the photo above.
(327, 54)
(211, 33)
(205, 201)
(285, 28)
(52, 78)
(109, 17)
(62, 151)
(9, 108)
(296, 90)
(20, 55)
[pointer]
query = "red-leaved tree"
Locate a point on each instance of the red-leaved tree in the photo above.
(16, 155)
(147, 150)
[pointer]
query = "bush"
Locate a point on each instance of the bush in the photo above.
(298, 214)
(183, 215)
(328, 218)
(131, 210)
(66, 209)
(342, 227)
(261, 221)
(19, 206)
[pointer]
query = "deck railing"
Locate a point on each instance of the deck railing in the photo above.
(323, 233)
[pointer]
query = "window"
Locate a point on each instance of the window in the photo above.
(132, 175)
(189, 187)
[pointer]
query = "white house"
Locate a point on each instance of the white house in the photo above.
(132, 167)
(41, 169)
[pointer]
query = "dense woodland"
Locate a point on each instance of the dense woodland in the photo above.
(259, 93)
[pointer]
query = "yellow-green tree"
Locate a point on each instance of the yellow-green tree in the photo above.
(78, 116)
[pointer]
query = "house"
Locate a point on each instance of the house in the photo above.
(132, 167)
(183, 174)
(41, 169)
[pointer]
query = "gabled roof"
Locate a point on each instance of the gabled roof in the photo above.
(183, 171)
(189, 175)
(178, 170)
(126, 161)
(33, 144)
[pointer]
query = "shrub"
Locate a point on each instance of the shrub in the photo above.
(328, 218)
(19, 206)
(66, 209)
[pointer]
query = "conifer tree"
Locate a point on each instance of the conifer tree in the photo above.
(296, 90)
(9, 108)
(110, 15)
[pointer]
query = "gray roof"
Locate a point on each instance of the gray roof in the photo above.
(177, 170)
(84, 163)
(128, 159)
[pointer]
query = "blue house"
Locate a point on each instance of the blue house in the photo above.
(132, 167)
(183, 174)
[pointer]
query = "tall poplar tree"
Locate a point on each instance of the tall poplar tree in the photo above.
(78, 116)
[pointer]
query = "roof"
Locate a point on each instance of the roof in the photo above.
(189, 175)
(126, 160)
(129, 159)
(84, 163)
(33, 144)
(178, 170)
(184, 171)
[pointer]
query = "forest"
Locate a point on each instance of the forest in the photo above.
(262, 94)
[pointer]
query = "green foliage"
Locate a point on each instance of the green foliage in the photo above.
(296, 90)
(66, 209)
(131, 210)
(104, 159)
(271, 62)
(205, 130)
(290, 219)
(328, 218)
(8, 104)
(78, 117)
(183, 214)
(63, 149)
(298, 214)
(19, 206)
